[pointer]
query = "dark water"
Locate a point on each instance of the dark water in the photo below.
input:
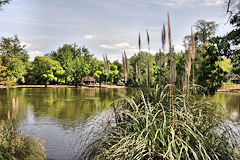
(64, 118)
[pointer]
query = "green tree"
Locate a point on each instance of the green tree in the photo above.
(47, 70)
(80, 69)
(3, 74)
(233, 38)
(209, 73)
(67, 55)
(113, 76)
(14, 57)
(100, 74)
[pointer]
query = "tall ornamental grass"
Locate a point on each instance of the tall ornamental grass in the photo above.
(143, 130)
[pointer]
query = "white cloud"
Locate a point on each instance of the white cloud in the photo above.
(178, 3)
(89, 36)
(213, 2)
(116, 46)
(26, 44)
(35, 53)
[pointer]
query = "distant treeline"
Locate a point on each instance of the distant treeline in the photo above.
(70, 63)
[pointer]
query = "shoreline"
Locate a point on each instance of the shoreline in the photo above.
(63, 86)
(233, 89)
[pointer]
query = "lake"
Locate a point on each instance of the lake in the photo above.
(65, 118)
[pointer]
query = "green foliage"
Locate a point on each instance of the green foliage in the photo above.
(209, 74)
(14, 146)
(14, 57)
(46, 70)
(80, 69)
(226, 65)
(143, 130)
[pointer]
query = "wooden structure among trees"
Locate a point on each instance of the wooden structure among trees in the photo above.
(89, 80)
(234, 78)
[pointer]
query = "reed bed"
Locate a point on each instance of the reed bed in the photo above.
(143, 129)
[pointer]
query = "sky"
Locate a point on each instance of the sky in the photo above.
(105, 26)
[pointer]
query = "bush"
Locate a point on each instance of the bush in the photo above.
(144, 130)
(14, 146)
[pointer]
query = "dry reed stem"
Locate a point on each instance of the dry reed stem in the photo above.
(189, 64)
(125, 66)
(148, 69)
(193, 54)
(171, 72)
(106, 65)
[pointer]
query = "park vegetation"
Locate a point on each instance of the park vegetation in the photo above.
(213, 58)
(176, 121)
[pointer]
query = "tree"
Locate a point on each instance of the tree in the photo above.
(209, 73)
(113, 74)
(80, 69)
(14, 57)
(205, 30)
(47, 70)
(233, 38)
(67, 55)
(3, 74)
(4, 2)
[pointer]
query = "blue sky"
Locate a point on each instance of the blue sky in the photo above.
(104, 26)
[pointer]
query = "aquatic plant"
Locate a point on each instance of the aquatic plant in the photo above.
(143, 129)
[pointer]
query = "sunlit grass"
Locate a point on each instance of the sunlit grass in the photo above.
(143, 129)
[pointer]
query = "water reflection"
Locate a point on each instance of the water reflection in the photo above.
(230, 103)
(56, 115)
(61, 116)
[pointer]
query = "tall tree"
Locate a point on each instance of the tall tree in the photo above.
(205, 30)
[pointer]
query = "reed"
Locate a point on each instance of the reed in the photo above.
(139, 60)
(142, 130)
(193, 55)
(163, 37)
(171, 106)
(188, 69)
(106, 64)
(125, 66)
(148, 65)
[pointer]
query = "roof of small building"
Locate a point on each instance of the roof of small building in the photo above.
(89, 78)
(234, 77)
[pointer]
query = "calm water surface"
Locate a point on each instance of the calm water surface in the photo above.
(61, 117)
(64, 118)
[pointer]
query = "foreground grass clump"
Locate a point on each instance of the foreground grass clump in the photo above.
(14, 146)
(145, 129)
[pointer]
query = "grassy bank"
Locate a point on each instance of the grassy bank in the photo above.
(145, 128)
